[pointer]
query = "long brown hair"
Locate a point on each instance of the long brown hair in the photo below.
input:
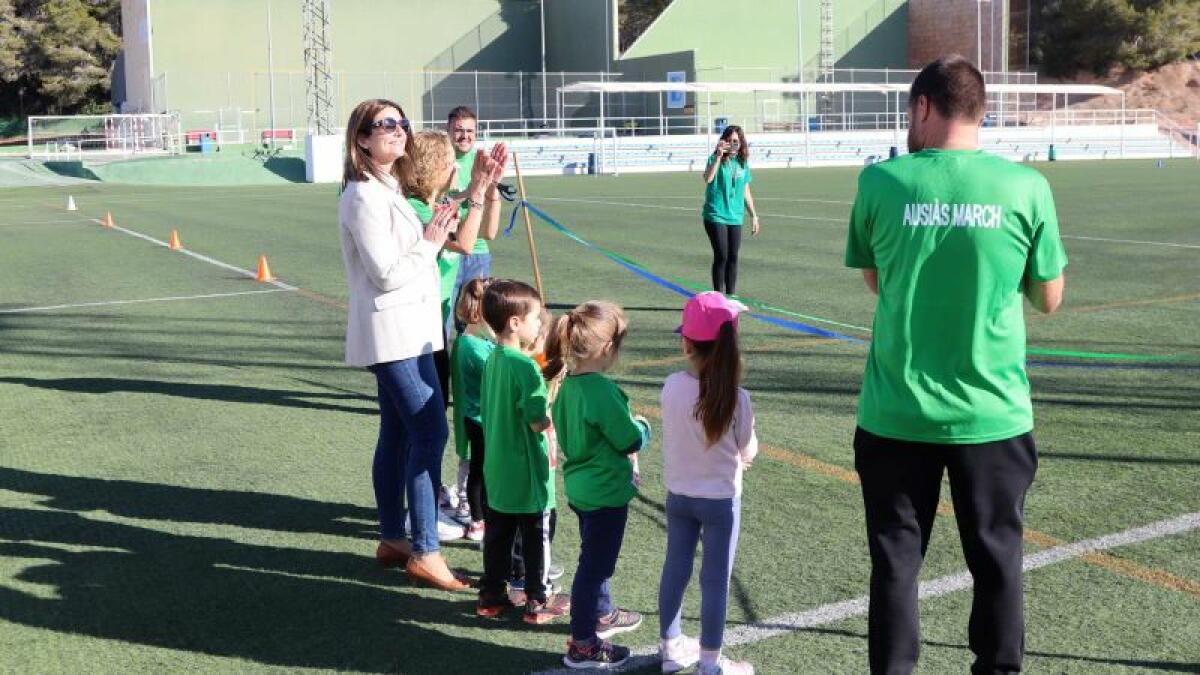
(719, 363)
(743, 153)
(583, 333)
(358, 165)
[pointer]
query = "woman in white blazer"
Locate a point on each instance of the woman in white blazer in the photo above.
(393, 327)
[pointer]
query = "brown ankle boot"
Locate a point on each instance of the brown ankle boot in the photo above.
(430, 569)
(389, 555)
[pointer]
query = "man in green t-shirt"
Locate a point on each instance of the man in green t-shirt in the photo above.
(951, 239)
(462, 125)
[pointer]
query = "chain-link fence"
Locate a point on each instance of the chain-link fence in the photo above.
(246, 100)
(238, 106)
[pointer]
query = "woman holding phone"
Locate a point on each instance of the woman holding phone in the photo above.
(726, 198)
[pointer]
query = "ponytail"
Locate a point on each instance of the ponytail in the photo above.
(557, 342)
(583, 333)
(469, 307)
(719, 363)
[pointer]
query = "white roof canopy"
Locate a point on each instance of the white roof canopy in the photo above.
(722, 87)
(817, 87)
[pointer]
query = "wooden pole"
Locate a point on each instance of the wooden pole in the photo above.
(537, 272)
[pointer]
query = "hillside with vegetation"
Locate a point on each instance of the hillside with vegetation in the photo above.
(1098, 35)
(635, 16)
(56, 56)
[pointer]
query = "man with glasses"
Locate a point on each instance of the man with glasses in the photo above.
(462, 124)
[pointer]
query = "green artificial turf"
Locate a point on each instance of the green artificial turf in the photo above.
(185, 485)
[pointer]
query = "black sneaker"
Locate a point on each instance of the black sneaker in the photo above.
(620, 621)
(601, 654)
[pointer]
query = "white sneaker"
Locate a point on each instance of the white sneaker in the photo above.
(727, 667)
(679, 653)
(449, 529)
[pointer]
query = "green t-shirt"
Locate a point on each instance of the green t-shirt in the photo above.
(465, 162)
(448, 261)
(725, 196)
(953, 234)
(516, 468)
(467, 360)
(595, 431)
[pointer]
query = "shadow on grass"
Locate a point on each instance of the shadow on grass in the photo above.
(1164, 666)
(275, 605)
(291, 169)
(181, 504)
(211, 392)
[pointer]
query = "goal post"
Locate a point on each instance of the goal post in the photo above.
(78, 136)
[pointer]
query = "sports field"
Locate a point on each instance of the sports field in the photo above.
(184, 460)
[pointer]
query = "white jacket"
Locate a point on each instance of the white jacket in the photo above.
(395, 297)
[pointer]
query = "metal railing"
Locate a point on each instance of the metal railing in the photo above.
(1096, 134)
(425, 94)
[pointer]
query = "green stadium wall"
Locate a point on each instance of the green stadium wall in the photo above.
(868, 34)
(208, 60)
(212, 55)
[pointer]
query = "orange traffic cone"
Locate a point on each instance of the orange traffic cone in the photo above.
(174, 244)
(108, 221)
(264, 270)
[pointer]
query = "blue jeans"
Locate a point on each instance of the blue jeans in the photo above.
(601, 532)
(473, 266)
(690, 519)
(408, 456)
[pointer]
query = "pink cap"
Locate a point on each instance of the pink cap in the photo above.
(705, 313)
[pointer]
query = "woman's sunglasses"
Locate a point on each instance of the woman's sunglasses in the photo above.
(389, 124)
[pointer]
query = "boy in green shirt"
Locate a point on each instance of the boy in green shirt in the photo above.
(514, 406)
(950, 239)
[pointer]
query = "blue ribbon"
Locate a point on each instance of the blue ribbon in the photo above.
(646, 274)
(786, 324)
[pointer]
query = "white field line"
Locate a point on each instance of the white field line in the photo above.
(695, 210)
(1130, 241)
(847, 609)
(18, 223)
(146, 197)
(174, 298)
(197, 256)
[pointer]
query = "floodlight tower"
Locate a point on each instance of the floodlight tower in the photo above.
(826, 53)
(827, 40)
(318, 64)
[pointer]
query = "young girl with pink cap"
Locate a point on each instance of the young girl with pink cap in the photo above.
(708, 442)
